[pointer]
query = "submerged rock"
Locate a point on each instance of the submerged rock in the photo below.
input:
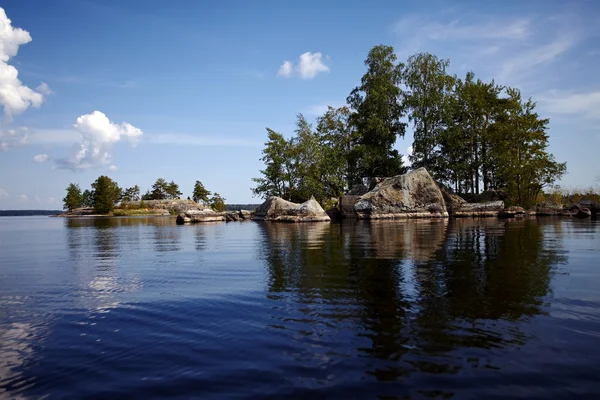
(512, 212)
(278, 209)
(487, 209)
(195, 216)
(412, 195)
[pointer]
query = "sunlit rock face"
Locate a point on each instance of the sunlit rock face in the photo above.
(412, 195)
(278, 209)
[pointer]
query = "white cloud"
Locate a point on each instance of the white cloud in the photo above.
(14, 96)
(308, 66)
(40, 158)
(3, 194)
(13, 137)
(98, 134)
(44, 89)
(23, 198)
(567, 102)
(112, 168)
(286, 69)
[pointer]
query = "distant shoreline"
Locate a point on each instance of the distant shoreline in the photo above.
(28, 213)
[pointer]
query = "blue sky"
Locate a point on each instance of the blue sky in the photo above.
(184, 90)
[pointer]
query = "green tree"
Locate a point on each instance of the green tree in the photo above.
(429, 99)
(131, 194)
(172, 190)
(337, 139)
(519, 148)
(200, 193)
(377, 111)
(217, 202)
(277, 177)
(74, 198)
(106, 194)
(158, 190)
(88, 198)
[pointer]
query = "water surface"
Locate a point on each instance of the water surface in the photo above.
(142, 308)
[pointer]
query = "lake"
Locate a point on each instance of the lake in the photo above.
(142, 308)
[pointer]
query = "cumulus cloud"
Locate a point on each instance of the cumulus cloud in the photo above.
(286, 70)
(98, 135)
(23, 198)
(3, 194)
(40, 158)
(14, 96)
(112, 168)
(308, 66)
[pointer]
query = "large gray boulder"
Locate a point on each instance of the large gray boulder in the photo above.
(278, 209)
(412, 195)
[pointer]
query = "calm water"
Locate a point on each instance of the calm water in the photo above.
(142, 308)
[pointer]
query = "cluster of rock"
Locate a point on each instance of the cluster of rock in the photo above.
(171, 205)
(209, 215)
(278, 209)
(412, 195)
(417, 195)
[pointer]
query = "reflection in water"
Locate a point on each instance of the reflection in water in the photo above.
(140, 308)
(96, 247)
(416, 290)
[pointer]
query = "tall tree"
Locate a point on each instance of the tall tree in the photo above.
(307, 156)
(200, 193)
(377, 106)
(88, 198)
(428, 99)
(172, 190)
(131, 194)
(217, 202)
(277, 177)
(519, 148)
(106, 194)
(74, 198)
(158, 190)
(338, 139)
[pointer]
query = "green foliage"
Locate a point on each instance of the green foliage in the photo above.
(131, 194)
(88, 198)
(106, 194)
(162, 190)
(172, 190)
(217, 202)
(74, 198)
(429, 99)
(310, 163)
(520, 141)
(200, 193)
(338, 139)
(469, 134)
(278, 173)
(377, 112)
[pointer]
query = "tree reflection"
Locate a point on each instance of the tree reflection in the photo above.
(411, 291)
